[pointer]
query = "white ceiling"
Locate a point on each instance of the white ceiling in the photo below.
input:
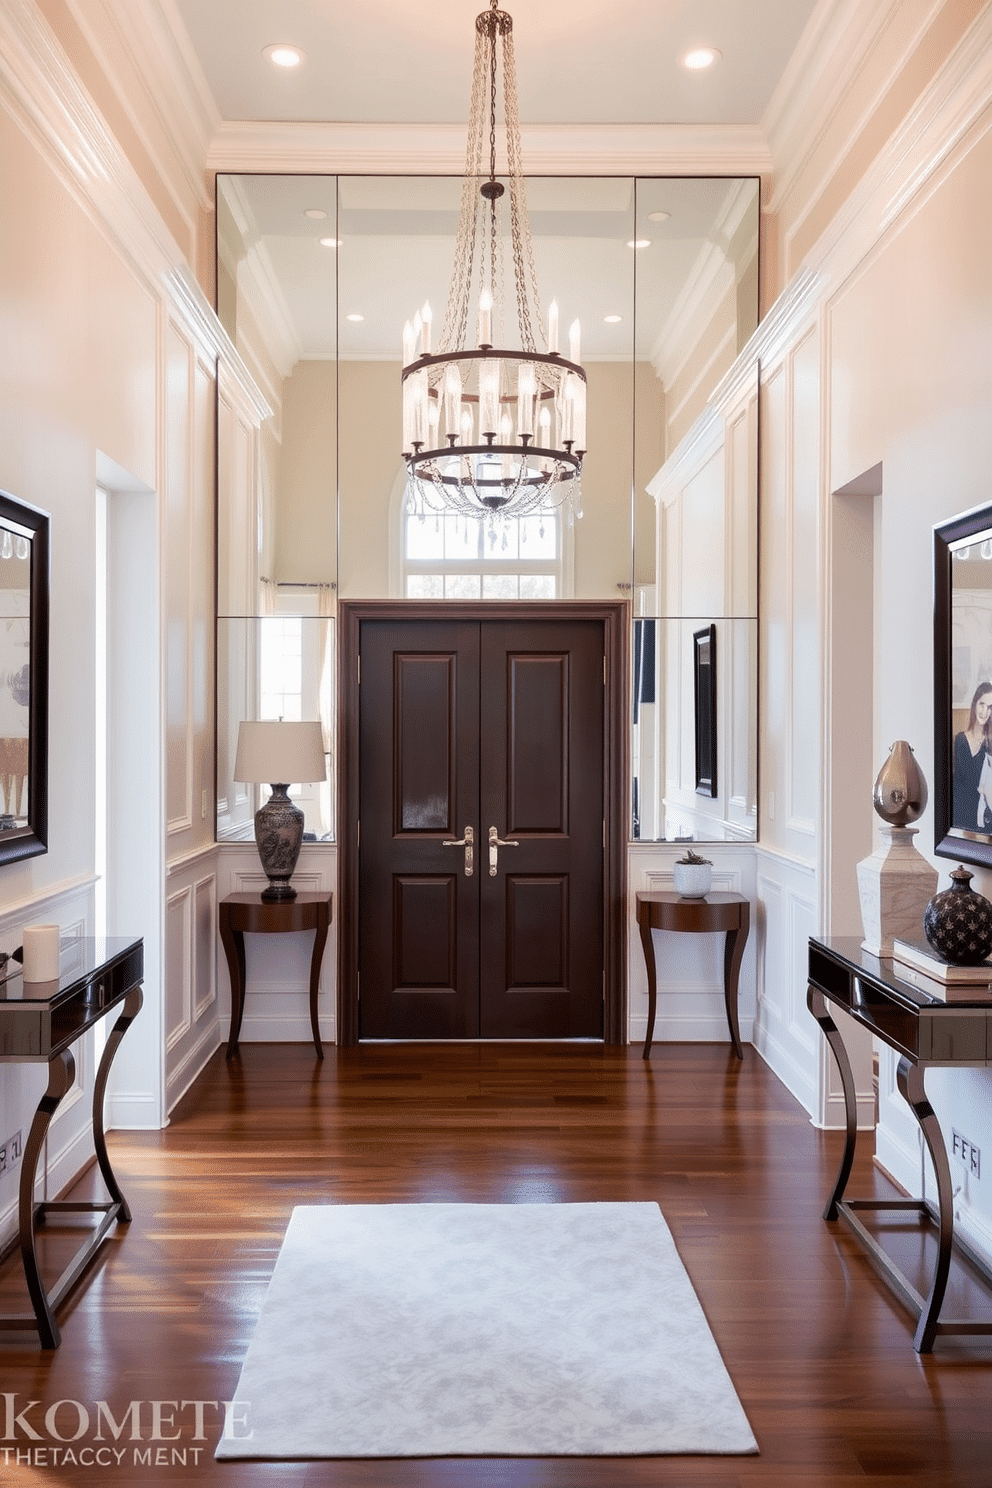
(578, 61)
(584, 62)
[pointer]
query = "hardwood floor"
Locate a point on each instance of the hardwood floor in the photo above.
(819, 1351)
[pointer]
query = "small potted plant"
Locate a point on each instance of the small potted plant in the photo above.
(693, 876)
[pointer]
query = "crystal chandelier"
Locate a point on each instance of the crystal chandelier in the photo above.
(490, 431)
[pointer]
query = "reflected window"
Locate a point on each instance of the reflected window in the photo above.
(446, 556)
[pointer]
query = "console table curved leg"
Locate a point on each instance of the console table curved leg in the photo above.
(733, 954)
(61, 1073)
(909, 1078)
(234, 949)
(647, 943)
(319, 941)
(817, 1005)
(130, 1010)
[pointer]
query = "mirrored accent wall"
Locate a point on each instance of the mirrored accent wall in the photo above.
(316, 276)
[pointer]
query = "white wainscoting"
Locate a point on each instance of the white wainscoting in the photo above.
(277, 998)
(691, 1006)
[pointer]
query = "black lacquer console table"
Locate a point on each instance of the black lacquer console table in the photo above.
(39, 1022)
(926, 1032)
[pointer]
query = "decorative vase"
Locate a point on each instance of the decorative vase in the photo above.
(900, 794)
(896, 883)
(693, 876)
(958, 922)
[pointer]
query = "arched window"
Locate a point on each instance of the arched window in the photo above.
(445, 556)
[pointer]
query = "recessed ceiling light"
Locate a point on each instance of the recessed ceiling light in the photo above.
(355, 318)
(700, 58)
(613, 319)
(639, 243)
(659, 216)
(316, 213)
(281, 54)
(329, 242)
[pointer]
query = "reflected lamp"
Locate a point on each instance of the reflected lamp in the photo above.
(278, 754)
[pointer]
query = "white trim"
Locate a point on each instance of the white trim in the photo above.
(439, 149)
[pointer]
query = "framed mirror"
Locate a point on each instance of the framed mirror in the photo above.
(24, 570)
(962, 666)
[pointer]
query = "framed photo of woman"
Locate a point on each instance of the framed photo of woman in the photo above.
(963, 687)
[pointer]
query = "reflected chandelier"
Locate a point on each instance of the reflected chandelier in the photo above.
(513, 419)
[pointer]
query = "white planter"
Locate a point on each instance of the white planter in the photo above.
(693, 880)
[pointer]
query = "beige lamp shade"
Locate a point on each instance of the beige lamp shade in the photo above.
(277, 751)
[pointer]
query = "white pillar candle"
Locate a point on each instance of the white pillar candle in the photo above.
(574, 341)
(526, 392)
(41, 953)
(452, 399)
(485, 318)
(426, 317)
(489, 398)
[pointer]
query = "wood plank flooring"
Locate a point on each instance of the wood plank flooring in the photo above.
(820, 1352)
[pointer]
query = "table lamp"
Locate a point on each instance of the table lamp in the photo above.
(276, 754)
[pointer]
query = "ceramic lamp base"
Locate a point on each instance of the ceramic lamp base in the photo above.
(278, 837)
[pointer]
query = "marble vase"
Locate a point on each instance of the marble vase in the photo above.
(895, 886)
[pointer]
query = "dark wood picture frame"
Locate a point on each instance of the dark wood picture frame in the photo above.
(704, 698)
(962, 666)
(24, 521)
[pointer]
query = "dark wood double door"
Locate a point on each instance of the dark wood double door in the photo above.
(482, 791)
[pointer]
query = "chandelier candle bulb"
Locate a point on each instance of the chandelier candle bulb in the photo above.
(579, 389)
(485, 318)
(452, 399)
(426, 317)
(574, 341)
(526, 392)
(488, 399)
(553, 328)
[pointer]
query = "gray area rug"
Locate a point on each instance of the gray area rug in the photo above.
(438, 1330)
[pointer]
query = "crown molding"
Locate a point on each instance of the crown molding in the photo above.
(843, 41)
(439, 149)
(142, 45)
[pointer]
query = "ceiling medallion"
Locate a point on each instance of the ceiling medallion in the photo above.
(513, 416)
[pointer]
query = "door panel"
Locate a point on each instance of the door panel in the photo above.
(489, 724)
(418, 913)
(541, 970)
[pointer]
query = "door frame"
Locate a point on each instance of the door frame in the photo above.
(615, 618)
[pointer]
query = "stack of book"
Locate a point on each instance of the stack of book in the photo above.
(916, 962)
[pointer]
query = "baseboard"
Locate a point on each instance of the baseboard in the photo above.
(186, 1072)
(272, 1028)
(132, 1113)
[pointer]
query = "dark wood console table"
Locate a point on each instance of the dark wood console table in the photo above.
(926, 1032)
(666, 910)
(39, 1022)
(241, 913)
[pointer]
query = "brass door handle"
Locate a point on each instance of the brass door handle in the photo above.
(465, 842)
(495, 843)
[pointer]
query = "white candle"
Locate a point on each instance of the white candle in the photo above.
(526, 390)
(552, 327)
(485, 318)
(489, 398)
(544, 438)
(41, 953)
(452, 399)
(506, 437)
(580, 414)
(426, 318)
(467, 427)
(433, 421)
(574, 337)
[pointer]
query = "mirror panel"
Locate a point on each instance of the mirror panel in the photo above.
(661, 273)
(278, 666)
(24, 583)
